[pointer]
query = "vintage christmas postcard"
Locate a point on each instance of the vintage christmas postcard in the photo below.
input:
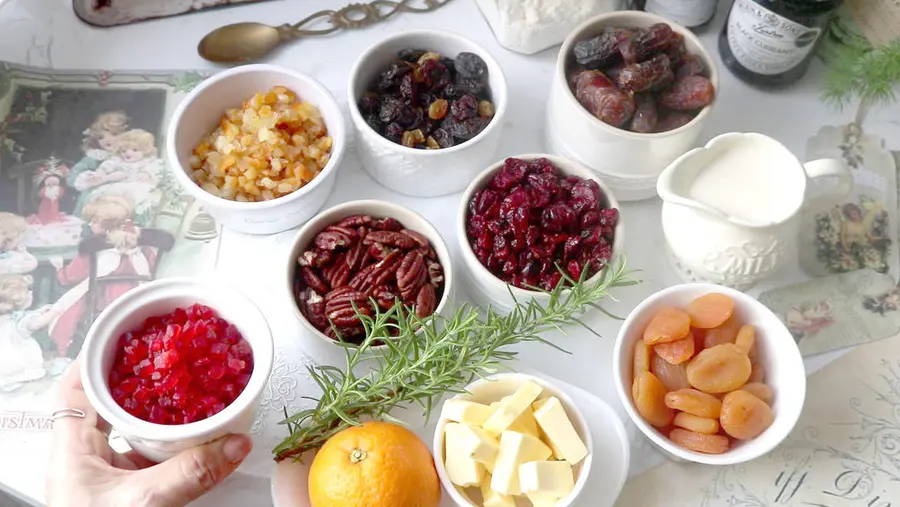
(88, 210)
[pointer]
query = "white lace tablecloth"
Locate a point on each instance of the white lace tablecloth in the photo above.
(47, 33)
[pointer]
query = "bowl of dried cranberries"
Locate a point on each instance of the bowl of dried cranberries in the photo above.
(709, 374)
(631, 93)
(177, 362)
(526, 217)
(362, 254)
(428, 106)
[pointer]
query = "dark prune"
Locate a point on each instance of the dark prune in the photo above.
(688, 93)
(425, 98)
(372, 121)
(449, 64)
(467, 129)
(691, 65)
(408, 89)
(654, 74)
(645, 114)
(391, 77)
(597, 52)
(672, 120)
(428, 125)
(602, 99)
(464, 108)
(410, 55)
(390, 108)
(643, 45)
(368, 104)
(443, 138)
(471, 66)
(393, 132)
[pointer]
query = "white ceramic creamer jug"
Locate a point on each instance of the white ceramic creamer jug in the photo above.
(730, 209)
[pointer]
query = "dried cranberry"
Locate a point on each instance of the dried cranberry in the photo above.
(187, 354)
(530, 218)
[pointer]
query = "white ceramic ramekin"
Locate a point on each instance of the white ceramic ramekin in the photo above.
(628, 161)
(775, 349)
(424, 173)
(485, 288)
(156, 441)
(303, 240)
(199, 114)
(493, 388)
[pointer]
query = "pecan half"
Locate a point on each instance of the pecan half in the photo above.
(378, 251)
(416, 236)
(435, 274)
(355, 221)
(385, 296)
(312, 305)
(411, 274)
(312, 280)
(337, 273)
(387, 224)
(426, 301)
(356, 255)
(314, 258)
(331, 240)
(391, 238)
(359, 280)
(385, 269)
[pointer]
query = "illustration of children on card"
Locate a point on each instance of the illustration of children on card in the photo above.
(22, 358)
(14, 258)
(807, 320)
(851, 236)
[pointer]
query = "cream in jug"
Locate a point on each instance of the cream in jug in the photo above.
(730, 208)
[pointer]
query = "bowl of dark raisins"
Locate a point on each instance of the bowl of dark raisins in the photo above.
(632, 92)
(428, 106)
(357, 255)
(529, 223)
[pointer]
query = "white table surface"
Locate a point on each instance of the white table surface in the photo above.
(46, 33)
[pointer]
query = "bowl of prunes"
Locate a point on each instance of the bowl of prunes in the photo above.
(427, 105)
(631, 94)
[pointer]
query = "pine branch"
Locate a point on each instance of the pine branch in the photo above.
(871, 75)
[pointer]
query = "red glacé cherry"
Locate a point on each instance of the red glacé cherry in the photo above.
(181, 367)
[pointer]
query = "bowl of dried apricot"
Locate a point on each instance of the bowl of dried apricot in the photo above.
(709, 374)
(258, 146)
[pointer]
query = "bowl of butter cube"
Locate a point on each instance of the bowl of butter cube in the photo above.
(511, 439)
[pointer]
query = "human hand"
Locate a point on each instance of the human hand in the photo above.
(85, 471)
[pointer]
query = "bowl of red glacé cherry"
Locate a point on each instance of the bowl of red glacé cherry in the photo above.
(177, 362)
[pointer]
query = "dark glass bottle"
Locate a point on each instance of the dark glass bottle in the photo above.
(688, 13)
(771, 42)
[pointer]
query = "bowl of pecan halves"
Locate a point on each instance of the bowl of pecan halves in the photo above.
(362, 254)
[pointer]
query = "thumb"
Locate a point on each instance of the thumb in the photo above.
(187, 476)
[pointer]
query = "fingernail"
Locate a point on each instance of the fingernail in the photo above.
(237, 447)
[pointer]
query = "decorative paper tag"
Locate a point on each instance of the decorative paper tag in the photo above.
(878, 19)
(838, 311)
(843, 452)
(861, 231)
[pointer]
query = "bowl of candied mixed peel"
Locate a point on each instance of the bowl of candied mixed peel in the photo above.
(631, 94)
(428, 106)
(176, 363)
(258, 146)
(529, 223)
(709, 374)
(364, 256)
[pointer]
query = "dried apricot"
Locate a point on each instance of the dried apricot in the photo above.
(705, 425)
(699, 339)
(667, 325)
(757, 372)
(745, 416)
(698, 442)
(710, 310)
(719, 369)
(676, 352)
(746, 340)
(641, 358)
(760, 390)
(672, 376)
(649, 399)
(726, 333)
(694, 402)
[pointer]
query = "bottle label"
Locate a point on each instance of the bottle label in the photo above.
(684, 12)
(766, 43)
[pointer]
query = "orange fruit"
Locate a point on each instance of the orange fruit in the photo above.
(377, 464)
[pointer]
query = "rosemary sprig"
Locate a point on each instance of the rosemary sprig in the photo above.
(870, 75)
(430, 357)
